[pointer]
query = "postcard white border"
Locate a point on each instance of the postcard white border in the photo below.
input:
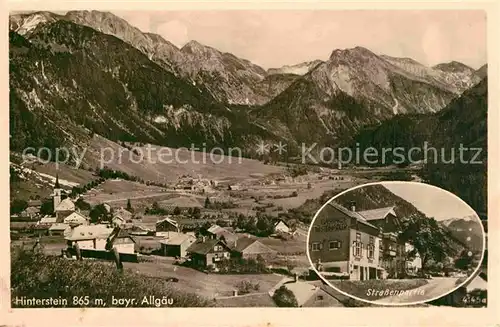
(434, 316)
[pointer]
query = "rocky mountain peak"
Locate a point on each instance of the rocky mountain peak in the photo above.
(24, 24)
(351, 52)
(454, 67)
(298, 69)
(196, 48)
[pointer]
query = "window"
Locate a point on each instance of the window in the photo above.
(218, 248)
(316, 229)
(357, 249)
(316, 246)
(371, 248)
(319, 298)
(334, 245)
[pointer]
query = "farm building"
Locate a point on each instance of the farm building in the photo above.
(249, 248)
(165, 226)
(248, 300)
(94, 237)
(139, 230)
(177, 245)
(281, 226)
(208, 252)
(216, 232)
(59, 229)
(76, 219)
(118, 221)
(123, 213)
(313, 294)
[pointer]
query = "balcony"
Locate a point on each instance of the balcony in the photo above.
(391, 253)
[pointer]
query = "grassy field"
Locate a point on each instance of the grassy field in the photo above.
(154, 169)
(191, 280)
(289, 247)
(359, 288)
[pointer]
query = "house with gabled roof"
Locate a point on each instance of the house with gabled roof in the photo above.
(165, 226)
(250, 248)
(123, 213)
(313, 294)
(176, 245)
(59, 229)
(393, 251)
(280, 226)
(94, 237)
(208, 253)
(75, 219)
(344, 243)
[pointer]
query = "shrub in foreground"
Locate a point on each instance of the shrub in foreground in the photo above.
(34, 274)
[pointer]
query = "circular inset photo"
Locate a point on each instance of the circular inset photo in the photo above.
(396, 243)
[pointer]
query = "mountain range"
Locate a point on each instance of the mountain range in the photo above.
(88, 72)
(466, 229)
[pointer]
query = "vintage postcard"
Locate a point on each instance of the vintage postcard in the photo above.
(241, 159)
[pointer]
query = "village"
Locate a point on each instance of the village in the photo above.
(238, 242)
(225, 240)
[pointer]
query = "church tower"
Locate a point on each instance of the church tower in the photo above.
(57, 193)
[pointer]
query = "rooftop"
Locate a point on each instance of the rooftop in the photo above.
(89, 232)
(376, 214)
(177, 239)
(352, 214)
(48, 220)
(203, 247)
(59, 226)
(247, 300)
(65, 205)
(303, 291)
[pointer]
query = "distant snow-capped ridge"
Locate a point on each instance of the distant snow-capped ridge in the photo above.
(448, 222)
(298, 69)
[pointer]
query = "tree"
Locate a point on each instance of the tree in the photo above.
(221, 223)
(428, 240)
(82, 204)
(17, 206)
(47, 207)
(264, 225)
(177, 211)
(283, 297)
(464, 261)
(196, 212)
(207, 202)
(129, 206)
(99, 213)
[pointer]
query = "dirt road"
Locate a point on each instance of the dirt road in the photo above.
(436, 287)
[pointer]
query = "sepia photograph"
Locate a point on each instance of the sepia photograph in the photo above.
(178, 158)
(398, 243)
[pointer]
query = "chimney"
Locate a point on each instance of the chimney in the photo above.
(352, 204)
(296, 277)
(203, 238)
(235, 292)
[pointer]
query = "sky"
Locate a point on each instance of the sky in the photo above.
(275, 38)
(431, 200)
